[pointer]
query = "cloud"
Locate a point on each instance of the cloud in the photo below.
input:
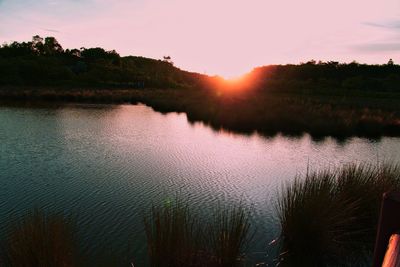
(387, 25)
(51, 30)
(378, 47)
(389, 40)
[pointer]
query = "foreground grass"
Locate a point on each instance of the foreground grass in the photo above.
(330, 217)
(228, 236)
(173, 235)
(177, 237)
(40, 240)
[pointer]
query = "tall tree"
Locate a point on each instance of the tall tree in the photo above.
(52, 46)
(37, 44)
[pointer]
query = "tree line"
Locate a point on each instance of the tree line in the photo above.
(43, 61)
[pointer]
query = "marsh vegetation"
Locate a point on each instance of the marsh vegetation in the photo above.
(331, 216)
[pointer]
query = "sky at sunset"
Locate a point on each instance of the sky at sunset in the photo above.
(225, 37)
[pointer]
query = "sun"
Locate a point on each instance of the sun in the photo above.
(237, 83)
(233, 75)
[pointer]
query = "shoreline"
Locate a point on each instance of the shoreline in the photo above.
(267, 114)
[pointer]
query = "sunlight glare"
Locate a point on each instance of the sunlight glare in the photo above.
(234, 75)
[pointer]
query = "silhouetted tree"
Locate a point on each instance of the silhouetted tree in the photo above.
(37, 44)
(52, 46)
(168, 60)
(73, 52)
(95, 54)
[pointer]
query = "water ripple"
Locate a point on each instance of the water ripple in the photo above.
(109, 164)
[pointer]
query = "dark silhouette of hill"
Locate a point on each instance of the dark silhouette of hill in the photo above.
(43, 62)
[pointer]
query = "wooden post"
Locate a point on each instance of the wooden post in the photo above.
(389, 224)
(392, 256)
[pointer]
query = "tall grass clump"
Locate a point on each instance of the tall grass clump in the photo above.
(330, 217)
(228, 235)
(40, 240)
(177, 237)
(173, 235)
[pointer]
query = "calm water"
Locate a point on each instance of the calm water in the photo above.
(108, 164)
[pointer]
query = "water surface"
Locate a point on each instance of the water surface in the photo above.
(108, 164)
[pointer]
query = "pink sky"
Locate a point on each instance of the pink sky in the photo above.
(225, 37)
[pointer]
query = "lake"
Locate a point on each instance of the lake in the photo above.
(108, 164)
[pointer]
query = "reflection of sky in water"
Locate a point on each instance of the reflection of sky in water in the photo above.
(110, 164)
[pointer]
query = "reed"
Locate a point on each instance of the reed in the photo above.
(331, 216)
(228, 236)
(178, 237)
(40, 240)
(173, 235)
